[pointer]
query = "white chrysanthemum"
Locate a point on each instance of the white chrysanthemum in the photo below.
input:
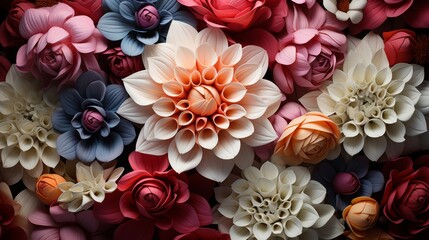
(93, 182)
(27, 139)
(202, 102)
(374, 105)
(276, 203)
(346, 9)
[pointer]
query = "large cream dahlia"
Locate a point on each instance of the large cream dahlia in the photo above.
(375, 106)
(201, 101)
(27, 139)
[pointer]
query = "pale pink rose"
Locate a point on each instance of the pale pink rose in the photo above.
(310, 51)
(60, 45)
(240, 15)
(397, 45)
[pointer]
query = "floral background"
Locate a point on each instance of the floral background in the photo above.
(209, 119)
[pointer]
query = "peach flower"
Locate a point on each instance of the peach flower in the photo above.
(307, 139)
(46, 188)
(361, 215)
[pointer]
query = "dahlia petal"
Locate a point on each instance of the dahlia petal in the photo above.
(374, 147)
(142, 89)
(114, 97)
(366, 188)
(88, 221)
(10, 156)
(185, 58)
(164, 50)
(418, 75)
(109, 148)
(46, 234)
(184, 162)
(126, 130)
(148, 38)
(233, 92)
(248, 74)
(114, 27)
(61, 215)
(231, 55)
(202, 208)
(241, 128)
(325, 212)
(324, 102)
(29, 159)
(214, 168)
(33, 22)
(170, 6)
(185, 140)
(156, 148)
(50, 156)
(182, 34)
(85, 150)
(61, 121)
(245, 156)
(263, 133)
(237, 232)
(112, 5)
(135, 229)
(127, 10)
(80, 28)
(206, 56)
(208, 138)
(227, 147)
(377, 180)
(185, 218)
(404, 108)
(134, 112)
(353, 145)
(109, 210)
(56, 34)
(416, 125)
(212, 37)
(41, 218)
(254, 106)
(255, 55)
(268, 92)
(166, 128)
(96, 90)
(149, 163)
(71, 101)
(374, 128)
(160, 70)
(131, 46)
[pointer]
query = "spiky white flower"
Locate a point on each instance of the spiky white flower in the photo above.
(276, 203)
(93, 182)
(27, 139)
(375, 106)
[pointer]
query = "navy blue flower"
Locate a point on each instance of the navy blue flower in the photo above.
(345, 180)
(137, 23)
(87, 120)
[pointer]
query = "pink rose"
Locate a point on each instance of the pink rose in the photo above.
(240, 15)
(90, 8)
(4, 68)
(60, 45)
(397, 45)
(9, 28)
(92, 120)
(310, 51)
(120, 65)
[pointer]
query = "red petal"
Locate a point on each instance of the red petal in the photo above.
(150, 163)
(134, 229)
(202, 208)
(108, 211)
(185, 218)
(128, 207)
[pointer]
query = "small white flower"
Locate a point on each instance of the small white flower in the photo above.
(346, 9)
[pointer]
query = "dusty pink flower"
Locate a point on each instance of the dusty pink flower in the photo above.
(9, 28)
(240, 15)
(310, 51)
(60, 45)
(397, 45)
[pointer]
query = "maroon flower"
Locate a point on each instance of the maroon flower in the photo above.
(406, 198)
(397, 45)
(4, 68)
(9, 228)
(90, 8)
(203, 234)
(119, 65)
(9, 28)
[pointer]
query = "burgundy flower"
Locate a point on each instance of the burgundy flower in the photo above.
(147, 17)
(4, 68)
(203, 234)
(9, 228)
(406, 198)
(90, 8)
(119, 65)
(9, 28)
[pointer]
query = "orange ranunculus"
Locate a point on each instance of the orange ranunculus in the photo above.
(307, 139)
(361, 215)
(46, 188)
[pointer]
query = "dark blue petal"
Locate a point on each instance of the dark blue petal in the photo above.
(112, 119)
(165, 18)
(85, 80)
(131, 46)
(109, 148)
(66, 144)
(126, 130)
(359, 165)
(83, 133)
(185, 17)
(96, 90)
(167, 5)
(377, 180)
(341, 202)
(86, 150)
(112, 5)
(127, 10)
(91, 102)
(105, 130)
(114, 27)
(326, 171)
(71, 101)
(149, 38)
(365, 189)
(76, 121)
(115, 96)
(61, 121)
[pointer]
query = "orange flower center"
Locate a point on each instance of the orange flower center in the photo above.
(343, 5)
(46, 3)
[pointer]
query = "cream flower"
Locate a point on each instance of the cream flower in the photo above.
(374, 105)
(276, 203)
(202, 102)
(346, 9)
(93, 182)
(27, 139)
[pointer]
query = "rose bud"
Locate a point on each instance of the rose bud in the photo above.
(46, 188)
(397, 45)
(361, 215)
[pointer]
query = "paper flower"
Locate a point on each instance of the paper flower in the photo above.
(398, 45)
(346, 9)
(91, 129)
(202, 102)
(374, 105)
(90, 8)
(9, 222)
(26, 129)
(273, 202)
(306, 139)
(59, 48)
(4, 68)
(137, 23)
(118, 65)
(362, 215)
(9, 28)
(346, 180)
(310, 51)
(93, 182)
(47, 188)
(237, 16)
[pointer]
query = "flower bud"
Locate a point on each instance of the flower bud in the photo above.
(346, 183)
(148, 17)
(397, 45)
(46, 188)
(204, 100)
(361, 215)
(92, 120)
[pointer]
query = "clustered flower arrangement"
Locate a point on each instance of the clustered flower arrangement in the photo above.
(206, 119)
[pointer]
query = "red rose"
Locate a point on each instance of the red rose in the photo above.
(90, 8)
(120, 65)
(397, 45)
(406, 198)
(9, 28)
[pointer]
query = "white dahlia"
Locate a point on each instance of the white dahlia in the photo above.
(374, 105)
(27, 139)
(201, 101)
(276, 203)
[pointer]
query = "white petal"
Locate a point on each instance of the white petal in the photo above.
(418, 75)
(423, 103)
(404, 108)
(374, 128)
(268, 92)
(307, 215)
(212, 37)
(325, 212)
(10, 156)
(12, 175)
(242, 218)
(342, 16)
(374, 41)
(239, 233)
(97, 194)
(248, 74)
(396, 131)
(228, 147)
(374, 147)
(353, 145)
(263, 133)
(244, 157)
(164, 50)
(269, 171)
(164, 107)
(330, 5)
(185, 140)
(241, 128)
(388, 116)
(208, 138)
(402, 72)
(160, 70)
(142, 89)
(325, 104)
(302, 177)
(184, 162)
(412, 93)
(206, 56)
(395, 87)
(166, 128)
(254, 106)
(350, 129)
(309, 101)
(292, 226)
(182, 34)
(355, 16)
(134, 112)
(332, 229)
(383, 77)
(233, 92)
(157, 148)
(416, 125)
(50, 157)
(315, 191)
(380, 60)
(261, 230)
(29, 159)
(256, 55)
(357, 4)
(231, 55)
(214, 168)
(185, 58)
(252, 174)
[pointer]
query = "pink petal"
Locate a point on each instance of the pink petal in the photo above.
(185, 218)
(59, 14)
(149, 163)
(394, 10)
(41, 218)
(182, 192)
(22, 60)
(135, 229)
(88, 221)
(46, 234)
(128, 207)
(130, 179)
(86, 47)
(374, 15)
(302, 36)
(287, 56)
(80, 28)
(72, 232)
(34, 21)
(108, 211)
(90, 62)
(56, 34)
(202, 208)
(61, 215)
(283, 79)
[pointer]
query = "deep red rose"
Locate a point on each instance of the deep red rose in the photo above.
(4, 68)
(90, 8)
(120, 65)
(406, 199)
(9, 28)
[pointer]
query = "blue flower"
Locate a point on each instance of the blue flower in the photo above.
(137, 23)
(345, 180)
(87, 120)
